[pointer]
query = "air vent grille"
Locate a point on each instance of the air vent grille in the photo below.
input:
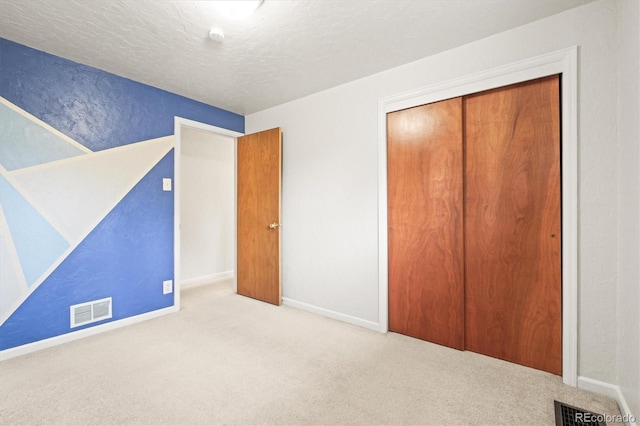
(82, 314)
(86, 313)
(567, 415)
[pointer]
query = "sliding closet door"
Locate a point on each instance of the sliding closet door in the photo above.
(512, 224)
(426, 287)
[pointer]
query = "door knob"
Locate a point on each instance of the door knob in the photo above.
(274, 225)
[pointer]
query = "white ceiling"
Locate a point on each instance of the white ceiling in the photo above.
(288, 49)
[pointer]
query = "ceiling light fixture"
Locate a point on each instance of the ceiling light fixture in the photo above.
(238, 9)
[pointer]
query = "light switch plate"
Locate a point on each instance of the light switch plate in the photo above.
(166, 184)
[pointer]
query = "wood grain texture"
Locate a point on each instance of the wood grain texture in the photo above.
(259, 193)
(513, 224)
(425, 210)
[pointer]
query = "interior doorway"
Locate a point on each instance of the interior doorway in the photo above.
(206, 206)
(204, 203)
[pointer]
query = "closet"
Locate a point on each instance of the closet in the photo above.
(475, 223)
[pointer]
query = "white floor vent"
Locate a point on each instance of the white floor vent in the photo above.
(86, 313)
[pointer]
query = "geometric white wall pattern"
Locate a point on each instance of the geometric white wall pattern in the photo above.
(60, 203)
(53, 192)
(37, 243)
(30, 246)
(77, 193)
(12, 281)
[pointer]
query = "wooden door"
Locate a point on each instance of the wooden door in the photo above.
(258, 215)
(512, 224)
(425, 210)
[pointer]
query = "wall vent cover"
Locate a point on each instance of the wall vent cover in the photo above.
(88, 312)
(567, 415)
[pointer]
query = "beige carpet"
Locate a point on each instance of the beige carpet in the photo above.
(227, 359)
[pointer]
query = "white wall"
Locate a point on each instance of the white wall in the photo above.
(206, 204)
(629, 203)
(330, 174)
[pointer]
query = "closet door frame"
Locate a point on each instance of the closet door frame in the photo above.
(562, 62)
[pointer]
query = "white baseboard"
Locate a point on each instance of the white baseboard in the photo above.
(205, 279)
(331, 314)
(610, 390)
(80, 334)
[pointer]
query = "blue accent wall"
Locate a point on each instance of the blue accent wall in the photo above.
(98, 109)
(126, 257)
(129, 253)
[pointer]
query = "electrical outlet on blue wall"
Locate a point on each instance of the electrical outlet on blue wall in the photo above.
(167, 287)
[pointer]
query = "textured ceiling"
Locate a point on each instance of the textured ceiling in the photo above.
(288, 49)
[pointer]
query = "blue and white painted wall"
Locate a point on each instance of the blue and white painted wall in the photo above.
(82, 212)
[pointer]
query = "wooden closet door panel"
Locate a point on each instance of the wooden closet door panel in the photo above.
(512, 224)
(426, 292)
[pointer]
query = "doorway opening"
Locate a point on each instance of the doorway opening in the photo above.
(204, 203)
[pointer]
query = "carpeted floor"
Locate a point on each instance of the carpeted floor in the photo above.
(227, 359)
